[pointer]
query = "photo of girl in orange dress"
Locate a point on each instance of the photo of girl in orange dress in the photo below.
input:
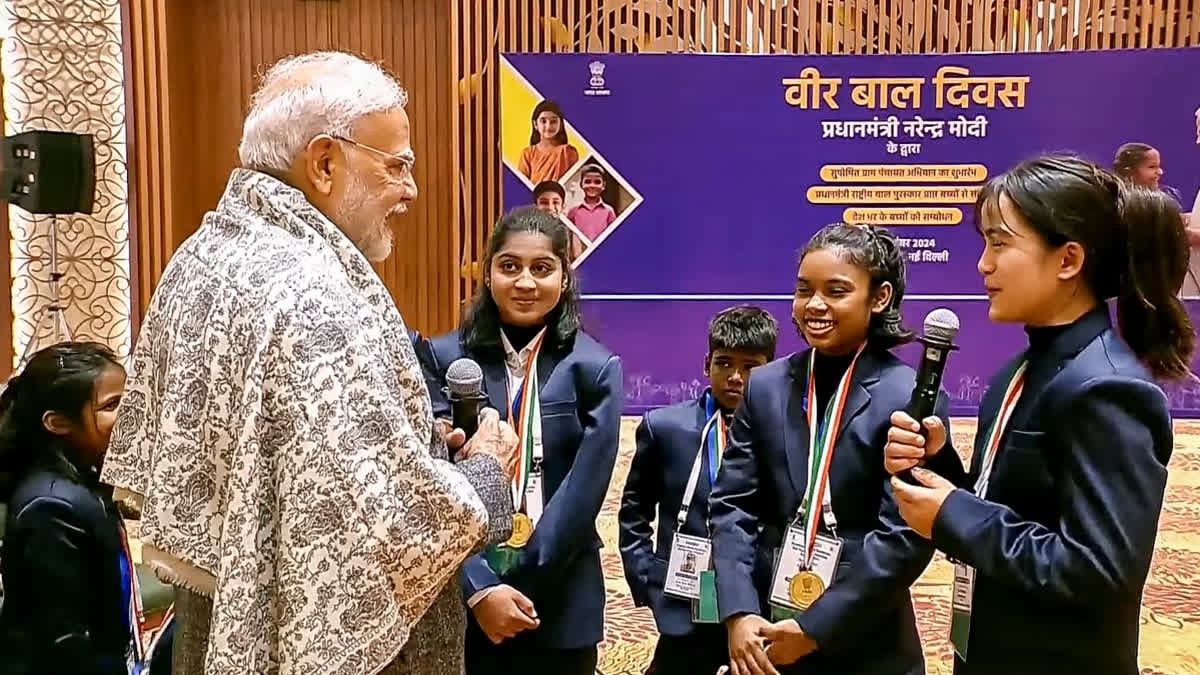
(549, 155)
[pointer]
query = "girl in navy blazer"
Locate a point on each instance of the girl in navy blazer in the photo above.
(1052, 528)
(70, 603)
(843, 611)
(537, 602)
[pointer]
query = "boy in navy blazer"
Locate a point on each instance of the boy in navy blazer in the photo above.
(668, 446)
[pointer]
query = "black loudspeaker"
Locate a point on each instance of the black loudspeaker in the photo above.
(49, 171)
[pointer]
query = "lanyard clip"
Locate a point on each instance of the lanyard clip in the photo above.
(830, 519)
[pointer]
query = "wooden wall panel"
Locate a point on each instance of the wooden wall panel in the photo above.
(761, 26)
(194, 67)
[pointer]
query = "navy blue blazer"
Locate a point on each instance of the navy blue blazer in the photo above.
(864, 623)
(1062, 545)
(581, 399)
(668, 440)
(63, 607)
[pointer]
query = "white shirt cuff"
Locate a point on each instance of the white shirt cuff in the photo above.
(480, 595)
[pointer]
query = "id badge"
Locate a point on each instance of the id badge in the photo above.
(690, 556)
(795, 586)
(533, 494)
(961, 601)
(704, 609)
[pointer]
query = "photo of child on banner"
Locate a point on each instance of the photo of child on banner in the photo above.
(594, 201)
(549, 155)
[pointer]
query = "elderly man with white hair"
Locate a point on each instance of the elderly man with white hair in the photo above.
(276, 426)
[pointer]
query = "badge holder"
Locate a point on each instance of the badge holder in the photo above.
(782, 612)
(704, 608)
(502, 559)
(961, 601)
(811, 580)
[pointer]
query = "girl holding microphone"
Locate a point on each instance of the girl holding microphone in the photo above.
(1052, 527)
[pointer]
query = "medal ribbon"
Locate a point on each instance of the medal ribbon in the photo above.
(168, 617)
(138, 657)
(527, 411)
(822, 437)
(716, 438)
(1012, 394)
(964, 576)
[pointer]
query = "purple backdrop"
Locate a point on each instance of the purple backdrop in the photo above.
(723, 163)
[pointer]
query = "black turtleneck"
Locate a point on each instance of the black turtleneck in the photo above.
(829, 371)
(1052, 347)
(519, 336)
(1041, 338)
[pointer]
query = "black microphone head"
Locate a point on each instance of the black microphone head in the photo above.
(464, 378)
(941, 325)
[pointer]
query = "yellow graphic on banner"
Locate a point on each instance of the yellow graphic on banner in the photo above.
(596, 198)
(518, 98)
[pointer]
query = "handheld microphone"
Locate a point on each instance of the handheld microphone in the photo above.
(464, 380)
(939, 331)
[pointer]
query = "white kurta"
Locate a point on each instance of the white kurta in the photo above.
(1191, 282)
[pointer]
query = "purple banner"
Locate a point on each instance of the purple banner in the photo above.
(718, 168)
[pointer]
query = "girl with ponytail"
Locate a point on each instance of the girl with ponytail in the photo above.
(1052, 527)
(1139, 164)
(70, 602)
(812, 561)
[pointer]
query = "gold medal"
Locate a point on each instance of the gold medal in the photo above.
(805, 588)
(522, 530)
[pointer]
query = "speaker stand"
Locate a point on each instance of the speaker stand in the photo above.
(53, 315)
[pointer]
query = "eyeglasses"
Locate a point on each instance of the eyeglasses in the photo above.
(399, 165)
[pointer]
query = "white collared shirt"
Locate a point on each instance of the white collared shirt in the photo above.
(515, 365)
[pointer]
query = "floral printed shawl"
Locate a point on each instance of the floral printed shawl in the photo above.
(277, 430)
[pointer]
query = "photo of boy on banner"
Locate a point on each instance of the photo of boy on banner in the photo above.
(548, 196)
(594, 202)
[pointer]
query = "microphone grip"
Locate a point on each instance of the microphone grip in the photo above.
(464, 412)
(918, 409)
(923, 402)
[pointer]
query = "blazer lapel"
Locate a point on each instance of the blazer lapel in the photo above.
(495, 379)
(866, 374)
(989, 410)
(547, 361)
(795, 432)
